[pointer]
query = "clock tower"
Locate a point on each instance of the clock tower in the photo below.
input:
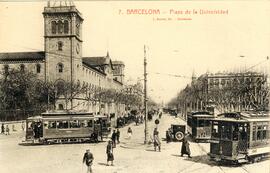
(63, 41)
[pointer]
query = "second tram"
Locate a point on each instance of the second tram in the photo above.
(64, 127)
(199, 126)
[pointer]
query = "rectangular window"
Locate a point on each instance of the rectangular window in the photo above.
(62, 124)
(254, 133)
(90, 123)
(51, 125)
(75, 124)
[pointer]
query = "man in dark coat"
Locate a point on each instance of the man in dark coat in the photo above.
(109, 152)
(185, 148)
(88, 160)
(114, 135)
(118, 136)
(3, 129)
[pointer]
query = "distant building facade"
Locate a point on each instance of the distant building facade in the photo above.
(225, 92)
(62, 60)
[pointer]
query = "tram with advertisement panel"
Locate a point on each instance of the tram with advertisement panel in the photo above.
(199, 126)
(240, 137)
(65, 127)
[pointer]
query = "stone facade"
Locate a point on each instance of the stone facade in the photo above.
(62, 60)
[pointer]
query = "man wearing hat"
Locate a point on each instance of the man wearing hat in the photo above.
(88, 159)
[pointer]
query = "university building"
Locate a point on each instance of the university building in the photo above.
(62, 60)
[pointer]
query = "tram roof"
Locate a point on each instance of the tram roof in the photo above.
(202, 114)
(67, 112)
(245, 116)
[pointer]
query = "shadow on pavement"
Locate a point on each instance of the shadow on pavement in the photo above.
(152, 150)
(103, 164)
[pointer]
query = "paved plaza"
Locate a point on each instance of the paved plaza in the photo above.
(130, 155)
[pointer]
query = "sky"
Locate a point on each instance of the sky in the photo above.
(176, 48)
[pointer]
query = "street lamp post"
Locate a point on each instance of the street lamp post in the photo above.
(145, 99)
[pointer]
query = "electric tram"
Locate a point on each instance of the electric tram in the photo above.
(240, 137)
(199, 126)
(65, 127)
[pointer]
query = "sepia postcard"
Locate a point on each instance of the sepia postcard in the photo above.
(119, 86)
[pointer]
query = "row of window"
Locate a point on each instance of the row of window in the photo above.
(22, 68)
(60, 27)
(235, 81)
(68, 124)
(60, 68)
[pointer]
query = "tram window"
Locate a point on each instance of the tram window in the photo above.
(90, 123)
(45, 124)
(75, 124)
(235, 132)
(62, 125)
(262, 132)
(254, 133)
(203, 123)
(84, 123)
(215, 131)
(226, 132)
(52, 125)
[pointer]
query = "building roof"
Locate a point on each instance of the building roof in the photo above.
(22, 56)
(96, 61)
(117, 62)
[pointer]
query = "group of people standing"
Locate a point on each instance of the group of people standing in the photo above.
(5, 130)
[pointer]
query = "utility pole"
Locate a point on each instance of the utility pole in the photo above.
(145, 99)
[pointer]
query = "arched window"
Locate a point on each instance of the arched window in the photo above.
(22, 67)
(65, 26)
(6, 68)
(60, 27)
(60, 45)
(60, 67)
(38, 67)
(53, 23)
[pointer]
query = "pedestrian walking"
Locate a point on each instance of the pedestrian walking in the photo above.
(118, 136)
(109, 152)
(88, 160)
(7, 130)
(23, 126)
(2, 129)
(185, 148)
(129, 131)
(157, 142)
(114, 138)
(13, 128)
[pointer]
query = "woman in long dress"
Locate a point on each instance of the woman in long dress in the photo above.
(109, 152)
(185, 148)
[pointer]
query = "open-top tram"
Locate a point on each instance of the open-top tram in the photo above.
(62, 127)
(198, 125)
(240, 137)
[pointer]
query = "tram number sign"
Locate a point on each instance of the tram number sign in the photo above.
(156, 121)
